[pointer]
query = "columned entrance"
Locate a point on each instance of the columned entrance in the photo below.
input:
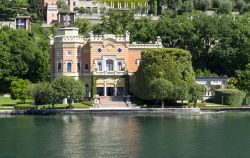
(110, 87)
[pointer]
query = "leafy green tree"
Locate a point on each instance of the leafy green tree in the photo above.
(195, 93)
(83, 26)
(116, 23)
(155, 7)
(180, 91)
(243, 79)
(62, 6)
(142, 30)
(10, 8)
(187, 6)
(19, 89)
(36, 8)
(225, 6)
(216, 3)
(81, 10)
(231, 53)
(43, 93)
(240, 5)
(69, 88)
(202, 4)
(22, 56)
(173, 65)
(161, 89)
(175, 32)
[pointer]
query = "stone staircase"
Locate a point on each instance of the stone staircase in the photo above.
(112, 102)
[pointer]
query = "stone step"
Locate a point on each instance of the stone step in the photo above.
(107, 101)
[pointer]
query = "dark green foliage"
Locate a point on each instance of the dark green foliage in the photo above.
(10, 8)
(243, 79)
(69, 88)
(142, 30)
(225, 7)
(36, 8)
(19, 89)
(24, 107)
(232, 97)
(160, 89)
(83, 26)
(116, 23)
(195, 92)
(202, 4)
(22, 56)
(187, 6)
(181, 91)
(173, 65)
(155, 7)
(43, 93)
(62, 6)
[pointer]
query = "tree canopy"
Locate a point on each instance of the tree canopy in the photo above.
(22, 56)
(170, 64)
(68, 88)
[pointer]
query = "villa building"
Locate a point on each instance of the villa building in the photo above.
(51, 13)
(20, 22)
(105, 63)
(98, 7)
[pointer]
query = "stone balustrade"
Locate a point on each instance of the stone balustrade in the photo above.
(110, 73)
(70, 39)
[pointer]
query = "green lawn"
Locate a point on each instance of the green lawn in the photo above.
(8, 103)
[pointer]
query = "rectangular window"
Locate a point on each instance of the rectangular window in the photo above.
(69, 66)
(59, 67)
(86, 66)
(78, 66)
(99, 66)
(109, 65)
(59, 53)
(74, 3)
(78, 52)
(119, 65)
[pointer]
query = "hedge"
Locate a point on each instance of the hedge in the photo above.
(24, 106)
(232, 97)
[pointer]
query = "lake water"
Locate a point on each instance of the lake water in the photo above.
(221, 135)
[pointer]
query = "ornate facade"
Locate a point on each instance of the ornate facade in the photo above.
(105, 63)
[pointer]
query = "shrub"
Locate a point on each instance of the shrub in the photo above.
(24, 107)
(232, 97)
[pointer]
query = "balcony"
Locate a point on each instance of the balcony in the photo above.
(110, 73)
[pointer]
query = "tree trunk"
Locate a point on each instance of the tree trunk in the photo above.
(53, 106)
(195, 102)
(70, 103)
(162, 103)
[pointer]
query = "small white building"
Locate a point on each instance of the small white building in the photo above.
(210, 84)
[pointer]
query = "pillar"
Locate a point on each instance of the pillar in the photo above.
(105, 89)
(115, 88)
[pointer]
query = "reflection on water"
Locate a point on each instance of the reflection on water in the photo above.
(100, 136)
(173, 135)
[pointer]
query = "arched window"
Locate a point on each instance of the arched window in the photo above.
(109, 65)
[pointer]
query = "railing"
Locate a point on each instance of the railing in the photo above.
(69, 39)
(110, 73)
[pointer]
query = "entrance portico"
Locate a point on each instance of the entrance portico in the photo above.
(110, 87)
